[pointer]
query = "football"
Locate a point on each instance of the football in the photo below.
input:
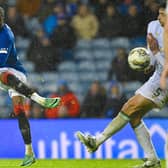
(139, 58)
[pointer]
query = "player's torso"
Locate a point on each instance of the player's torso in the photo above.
(12, 60)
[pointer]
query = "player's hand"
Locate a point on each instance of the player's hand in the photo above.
(164, 77)
(153, 44)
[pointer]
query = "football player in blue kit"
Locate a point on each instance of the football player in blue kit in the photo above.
(13, 79)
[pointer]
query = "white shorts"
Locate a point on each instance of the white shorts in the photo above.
(152, 91)
(21, 76)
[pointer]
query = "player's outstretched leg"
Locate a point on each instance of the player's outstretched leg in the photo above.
(92, 143)
(88, 140)
(12, 81)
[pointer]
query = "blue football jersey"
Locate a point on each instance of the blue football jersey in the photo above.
(8, 54)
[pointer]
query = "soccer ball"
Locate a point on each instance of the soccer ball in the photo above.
(139, 58)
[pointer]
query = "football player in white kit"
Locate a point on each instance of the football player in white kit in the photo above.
(147, 97)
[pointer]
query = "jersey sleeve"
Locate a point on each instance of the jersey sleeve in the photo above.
(5, 47)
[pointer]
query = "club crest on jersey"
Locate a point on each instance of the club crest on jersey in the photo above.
(3, 50)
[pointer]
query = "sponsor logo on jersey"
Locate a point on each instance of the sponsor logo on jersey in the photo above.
(3, 50)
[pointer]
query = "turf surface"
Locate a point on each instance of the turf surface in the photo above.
(6, 163)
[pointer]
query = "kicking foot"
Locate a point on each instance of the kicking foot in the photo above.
(28, 160)
(149, 164)
(88, 140)
(50, 102)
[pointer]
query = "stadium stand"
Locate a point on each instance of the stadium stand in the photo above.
(91, 61)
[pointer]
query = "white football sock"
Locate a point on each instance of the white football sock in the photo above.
(28, 149)
(37, 98)
(144, 139)
(114, 126)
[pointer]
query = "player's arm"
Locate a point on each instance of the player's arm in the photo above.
(154, 48)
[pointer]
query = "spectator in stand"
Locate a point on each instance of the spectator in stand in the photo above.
(100, 8)
(51, 22)
(111, 23)
(64, 38)
(42, 53)
(115, 100)
(28, 7)
(85, 23)
(119, 66)
(150, 11)
(94, 101)
(4, 5)
(16, 22)
(69, 106)
(134, 22)
(45, 10)
(123, 6)
(72, 7)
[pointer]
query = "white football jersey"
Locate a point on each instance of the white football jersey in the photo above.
(156, 29)
(151, 89)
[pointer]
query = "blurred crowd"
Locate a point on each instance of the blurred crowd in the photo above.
(54, 27)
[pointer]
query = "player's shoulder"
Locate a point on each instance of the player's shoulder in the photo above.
(7, 33)
(154, 24)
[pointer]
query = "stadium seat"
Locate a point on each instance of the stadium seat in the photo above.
(138, 42)
(35, 79)
(75, 87)
(83, 44)
(103, 65)
(50, 77)
(130, 87)
(3, 100)
(22, 55)
(50, 87)
(67, 66)
(103, 54)
(100, 43)
(87, 77)
(69, 76)
(84, 54)
(22, 43)
(5, 111)
(102, 76)
(88, 66)
(120, 42)
(29, 66)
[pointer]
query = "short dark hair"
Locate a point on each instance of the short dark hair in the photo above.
(2, 13)
(162, 5)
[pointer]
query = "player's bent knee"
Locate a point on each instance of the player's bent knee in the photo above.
(4, 76)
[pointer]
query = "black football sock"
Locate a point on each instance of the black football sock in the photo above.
(24, 127)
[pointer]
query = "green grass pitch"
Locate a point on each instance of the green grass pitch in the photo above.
(12, 163)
